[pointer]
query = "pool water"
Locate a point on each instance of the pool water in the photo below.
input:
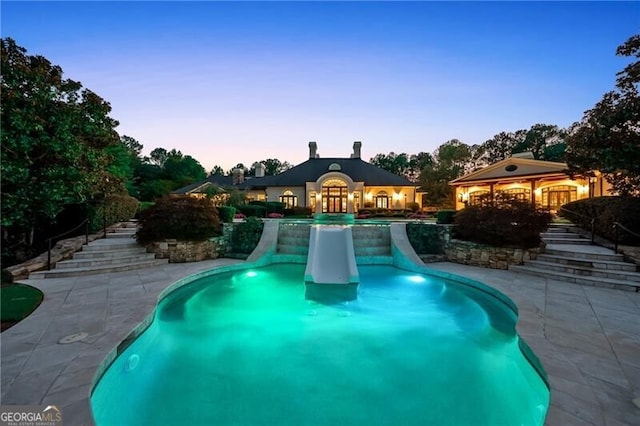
(248, 348)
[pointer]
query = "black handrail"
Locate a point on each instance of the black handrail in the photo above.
(86, 239)
(618, 225)
(591, 219)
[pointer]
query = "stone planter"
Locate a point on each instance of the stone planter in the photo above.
(185, 251)
(469, 253)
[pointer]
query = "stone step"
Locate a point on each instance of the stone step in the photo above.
(584, 280)
(558, 234)
(588, 263)
(292, 249)
(293, 240)
(582, 256)
(372, 251)
(105, 254)
(121, 235)
(374, 260)
(77, 272)
(86, 263)
(554, 240)
(113, 244)
(585, 271)
(289, 258)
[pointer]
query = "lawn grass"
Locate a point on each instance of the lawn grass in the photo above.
(17, 301)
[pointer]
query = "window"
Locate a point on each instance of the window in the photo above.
(334, 196)
(521, 194)
(290, 201)
(555, 197)
(382, 200)
(479, 198)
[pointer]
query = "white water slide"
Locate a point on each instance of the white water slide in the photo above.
(332, 259)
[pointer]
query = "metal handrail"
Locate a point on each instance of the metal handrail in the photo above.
(591, 219)
(618, 225)
(86, 239)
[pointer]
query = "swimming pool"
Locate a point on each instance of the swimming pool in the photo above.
(259, 347)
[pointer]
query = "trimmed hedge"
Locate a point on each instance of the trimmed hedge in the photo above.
(270, 206)
(425, 238)
(181, 218)
(606, 211)
(226, 213)
(246, 235)
(445, 216)
(513, 224)
(251, 210)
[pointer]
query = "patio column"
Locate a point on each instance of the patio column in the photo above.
(533, 192)
(491, 194)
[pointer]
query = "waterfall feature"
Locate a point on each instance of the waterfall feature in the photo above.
(331, 258)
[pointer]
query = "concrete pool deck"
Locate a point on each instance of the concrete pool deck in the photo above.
(587, 338)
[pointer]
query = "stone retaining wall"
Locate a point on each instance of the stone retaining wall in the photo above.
(192, 251)
(475, 254)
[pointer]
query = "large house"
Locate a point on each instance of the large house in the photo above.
(544, 183)
(326, 185)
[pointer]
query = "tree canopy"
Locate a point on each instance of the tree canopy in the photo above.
(57, 137)
(608, 136)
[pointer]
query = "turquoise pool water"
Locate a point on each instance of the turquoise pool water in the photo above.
(248, 348)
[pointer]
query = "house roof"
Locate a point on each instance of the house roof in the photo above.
(510, 168)
(309, 171)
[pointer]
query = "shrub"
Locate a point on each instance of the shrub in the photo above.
(275, 215)
(181, 218)
(512, 224)
(298, 211)
(606, 211)
(413, 206)
(252, 210)
(270, 206)
(115, 208)
(425, 238)
(226, 213)
(445, 216)
(7, 278)
(246, 235)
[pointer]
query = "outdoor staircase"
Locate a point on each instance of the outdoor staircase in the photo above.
(570, 257)
(118, 252)
(293, 243)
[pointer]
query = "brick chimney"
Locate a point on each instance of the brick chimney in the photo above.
(357, 145)
(313, 150)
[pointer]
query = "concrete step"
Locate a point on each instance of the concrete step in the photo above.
(292, 249)
(577, 279)
(121, 235)
(372, 250)
(582, 256)
(76, 272)
(120, 260)
(574, 240)
(588, 263)
(113, 244)
(105, 254)
(558, 234)
(585, 271)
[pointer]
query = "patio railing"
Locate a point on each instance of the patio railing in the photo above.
(49, 240)
(616, 227)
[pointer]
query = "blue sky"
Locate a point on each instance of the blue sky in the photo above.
(229, 82)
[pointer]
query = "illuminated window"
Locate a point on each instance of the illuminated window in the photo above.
(290, 201)
(382, 200)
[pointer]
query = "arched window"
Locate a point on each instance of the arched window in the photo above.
(290, 201)
(334, 196)
(382, 200)
(478, 198)
(521, 194)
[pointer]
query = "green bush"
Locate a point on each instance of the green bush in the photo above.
(114, 208)
(182, 218)
(246, 235)
(445, 216)
(413, 206)
(251, 210)
(270, 206)
(424, 238)
(226, 213)
(7, 278)
(512, 224)
(606, 211)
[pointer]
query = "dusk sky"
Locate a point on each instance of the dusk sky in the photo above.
(245, 81)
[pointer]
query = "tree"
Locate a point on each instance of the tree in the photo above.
(608, 136)
(216, 171)
(182, 170)
(395, 163)
(55, 138)
(544, 141)
(272, 166)
(451, 160)
(501, 146)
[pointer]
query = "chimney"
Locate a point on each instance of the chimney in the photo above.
(260, 170)
(313, 148)
(238, 176)
(356, 149)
